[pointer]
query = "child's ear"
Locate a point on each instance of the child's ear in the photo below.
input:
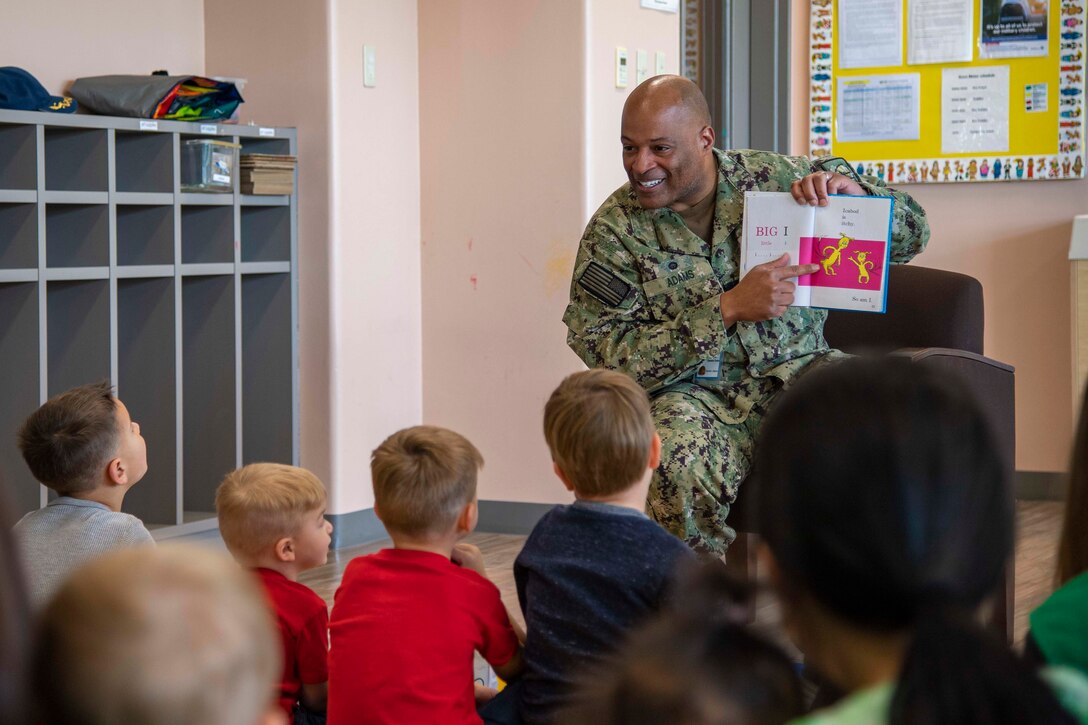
(273, 716)
(285, 549)
(562, 476)
(466, 522)
(655, 453)
(116, 472)
(767, 563)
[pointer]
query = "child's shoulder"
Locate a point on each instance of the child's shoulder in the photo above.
(287, 594)
(84, 518)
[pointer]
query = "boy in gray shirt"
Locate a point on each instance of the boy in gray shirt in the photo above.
(84, 446)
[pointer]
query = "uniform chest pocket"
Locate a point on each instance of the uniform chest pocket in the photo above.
(676, 283)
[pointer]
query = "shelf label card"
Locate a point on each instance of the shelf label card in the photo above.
(209, 128)
(149, 125)
(267, 132)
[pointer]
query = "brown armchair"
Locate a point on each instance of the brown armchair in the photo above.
(936, 318)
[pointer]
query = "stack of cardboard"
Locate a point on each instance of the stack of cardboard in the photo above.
(268, 174)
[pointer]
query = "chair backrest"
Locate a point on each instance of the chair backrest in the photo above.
(926, 308)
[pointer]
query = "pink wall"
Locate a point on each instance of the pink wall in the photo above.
(60, 40)
(518, 103)
(286, 45)
(1013, 238)
(502, 109)
(359, 196)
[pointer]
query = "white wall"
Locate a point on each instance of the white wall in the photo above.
(61, 40)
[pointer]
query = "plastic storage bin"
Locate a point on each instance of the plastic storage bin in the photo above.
(208, 165)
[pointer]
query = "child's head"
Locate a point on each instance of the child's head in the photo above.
(161, 636)
(274, 512)
(695, 664)
(888, 515)
(83, 438)
(425, 482)
(600, 432)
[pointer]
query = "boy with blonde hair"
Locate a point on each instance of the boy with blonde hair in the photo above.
(405, 621)
(158, 636)
(272, 519)
(593, 569)
(84, 446)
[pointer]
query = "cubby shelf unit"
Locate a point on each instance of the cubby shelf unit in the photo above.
(186, 302)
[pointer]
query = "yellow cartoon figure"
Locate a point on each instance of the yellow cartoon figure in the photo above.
(832, 255)
(864, 264)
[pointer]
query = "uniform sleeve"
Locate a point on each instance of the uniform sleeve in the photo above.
(498, 643)
(624, 334)
(313, 648)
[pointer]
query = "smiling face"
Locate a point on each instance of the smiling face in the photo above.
(667, 153)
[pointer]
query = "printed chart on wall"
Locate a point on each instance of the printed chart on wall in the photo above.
(933, 91)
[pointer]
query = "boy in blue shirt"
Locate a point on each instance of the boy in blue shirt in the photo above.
(592, 569)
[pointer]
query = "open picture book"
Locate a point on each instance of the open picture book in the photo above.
(850, 239)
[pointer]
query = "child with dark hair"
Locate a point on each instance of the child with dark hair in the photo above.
(84, 446)
(696, 664)
(888, 519)
(1059, 628)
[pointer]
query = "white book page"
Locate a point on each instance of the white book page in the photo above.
(774, 224)
(851, 244)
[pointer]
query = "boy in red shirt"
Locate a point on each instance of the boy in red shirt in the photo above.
(405, 621)
(272, 518)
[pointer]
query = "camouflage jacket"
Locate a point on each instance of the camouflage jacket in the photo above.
(653, 309)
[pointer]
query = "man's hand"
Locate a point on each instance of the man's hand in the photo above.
(764, 293)
(469, 557)
(814, 188)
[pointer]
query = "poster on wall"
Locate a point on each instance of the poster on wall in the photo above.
(939, 31)
(975, 110)
(870, 33)
(879, 108)
(1012, 28)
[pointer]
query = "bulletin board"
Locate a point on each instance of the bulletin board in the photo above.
(863, 113)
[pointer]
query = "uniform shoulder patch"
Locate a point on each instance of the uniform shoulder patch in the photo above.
(603, 284)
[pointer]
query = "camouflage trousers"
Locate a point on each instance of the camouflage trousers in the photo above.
(703, 463)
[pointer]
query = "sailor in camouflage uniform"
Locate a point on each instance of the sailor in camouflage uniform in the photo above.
(656, 294)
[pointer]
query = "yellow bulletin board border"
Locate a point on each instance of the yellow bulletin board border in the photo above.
(1042, 144)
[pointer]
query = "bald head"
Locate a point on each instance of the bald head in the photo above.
(669, 93)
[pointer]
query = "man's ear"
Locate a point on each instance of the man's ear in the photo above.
(655, 453)
(562, 476)
(285, 549)
(116, 472)
(706, 138)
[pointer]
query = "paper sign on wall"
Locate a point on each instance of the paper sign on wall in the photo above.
(975, 109)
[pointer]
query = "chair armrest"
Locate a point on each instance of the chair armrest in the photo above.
(991, 382)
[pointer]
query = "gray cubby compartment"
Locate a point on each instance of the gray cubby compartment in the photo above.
(19, 330)
(76, 159)
(144, 162)
(207, 234)
(145, 234)
(209, 385)
(144, 286)
(78, 324)
(146, 383)
(266, 360)
(18, 234)
(18, 157)
(77, 235)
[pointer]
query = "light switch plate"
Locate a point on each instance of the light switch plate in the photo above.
(369, 72)
(621, 67)
(659, 63)
(642, 66)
